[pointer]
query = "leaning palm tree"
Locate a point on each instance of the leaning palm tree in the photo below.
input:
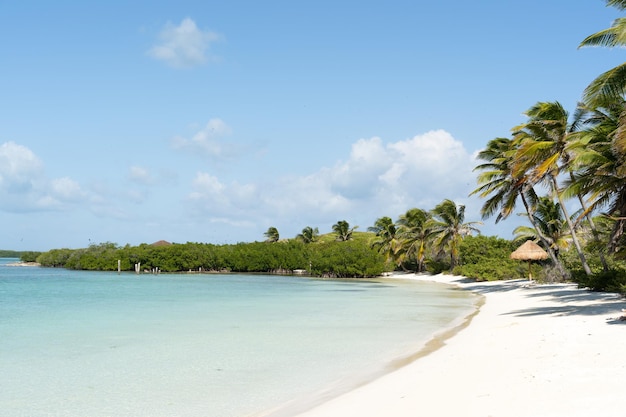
(449, 227)
(343, 230)
(549, 217)
(600, 167)
(387, 241)
(611, 83)
(308, 235)
(542, 155)
(502, 189)
(415, 233)
(272, 235)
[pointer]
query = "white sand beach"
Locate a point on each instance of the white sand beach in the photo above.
(538, 350)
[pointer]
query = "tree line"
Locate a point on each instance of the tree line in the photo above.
(342, 253)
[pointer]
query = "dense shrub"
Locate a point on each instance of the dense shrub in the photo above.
(487, 258)
(346, 259)
(613, 280)
(29, 256)
(353, 258)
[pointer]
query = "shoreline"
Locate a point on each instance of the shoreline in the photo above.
(529, 350)
(437, 339)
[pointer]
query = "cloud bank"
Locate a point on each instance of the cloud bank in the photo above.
(375, 180)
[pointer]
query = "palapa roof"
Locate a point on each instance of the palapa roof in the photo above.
(529, 251)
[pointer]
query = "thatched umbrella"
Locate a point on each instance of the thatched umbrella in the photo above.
(529, 251)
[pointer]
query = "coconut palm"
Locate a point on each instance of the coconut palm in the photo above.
(343, 230)
(449, 227)
(549, 218)
(387, 241)
(497, 183)
(308, 235)
(600, 167)
(272, 235)
(542, 154)
(415, 234)
(502, 188)
(611, 83)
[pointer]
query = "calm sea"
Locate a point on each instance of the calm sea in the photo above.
(90, 344)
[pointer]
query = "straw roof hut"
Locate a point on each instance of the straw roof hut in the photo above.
(529, 251)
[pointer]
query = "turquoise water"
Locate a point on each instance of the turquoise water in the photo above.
(101, 344)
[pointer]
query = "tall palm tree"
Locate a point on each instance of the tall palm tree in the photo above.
(449, 227)
(600, 167)
(387, 241)
(415, 233)
(549, 217)
(497, 183)
(343, 230)
(502, 189)
(542, 154)
(272, 235)
(308, 235)
(611, 83)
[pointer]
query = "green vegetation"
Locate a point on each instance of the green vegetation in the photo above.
(10, 254)
(487, 259)
(336, 259)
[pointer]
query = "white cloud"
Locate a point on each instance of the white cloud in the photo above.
(219, 200)
(24, 186)
(140, 175)
(19, 168)
(66, 189)
(376, 179)
(209, 141)
(183, 46)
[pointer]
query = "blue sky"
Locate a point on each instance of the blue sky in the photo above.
(206, 121)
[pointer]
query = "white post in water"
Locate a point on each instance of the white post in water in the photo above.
(119, 266)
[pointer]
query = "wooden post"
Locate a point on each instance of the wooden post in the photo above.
(119, 266)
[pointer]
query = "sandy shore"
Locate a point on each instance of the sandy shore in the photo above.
(543, 350)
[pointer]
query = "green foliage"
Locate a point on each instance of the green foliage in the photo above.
(29, 256)
(487, 258)
(613, 280)
(352, 258)
(346, 259)
(10, 254)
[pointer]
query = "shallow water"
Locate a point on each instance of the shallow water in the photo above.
(95, 344)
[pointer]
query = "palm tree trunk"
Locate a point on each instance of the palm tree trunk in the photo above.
(594, 229)
(555, 259)
(572, 229)
(620, 223)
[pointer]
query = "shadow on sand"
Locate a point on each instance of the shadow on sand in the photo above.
(565, 299)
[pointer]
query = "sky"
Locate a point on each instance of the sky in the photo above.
(211, 121)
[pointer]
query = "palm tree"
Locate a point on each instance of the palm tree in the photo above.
(387, 241)
(502, 188)
(543, 141)
(343, 230)
(415, 234)
(497, 181)
(308, 235)
(272, 235)
(448, 228)
(611, 83)
(600, 167)
(549, 217)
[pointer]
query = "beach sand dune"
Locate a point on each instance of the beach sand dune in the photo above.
(532, 350)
